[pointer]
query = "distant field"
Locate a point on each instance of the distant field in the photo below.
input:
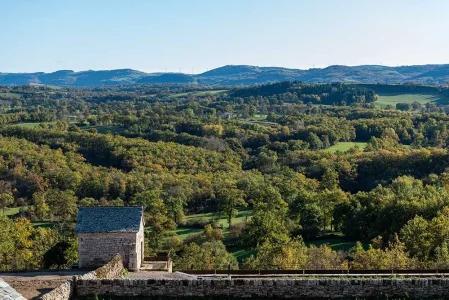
(12, 95)
(104, 128)
(199, 93)
(32, 125)
(259, 117)
(345, 146)
(392, 99)
(12, 211)
(35, 124)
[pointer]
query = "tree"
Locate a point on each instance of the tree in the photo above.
(394, 257)
(6, 196)
(6, 199)
(314, 141)
(208, 256)
(290, 255)
(418, 238)
(62, 205)
(156, 217)
(329, 180)
(40, 207)
(228, 197)
(268, 222)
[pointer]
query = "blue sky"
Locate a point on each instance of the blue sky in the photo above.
(196, 35)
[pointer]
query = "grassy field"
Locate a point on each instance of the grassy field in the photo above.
(12, 95)
(335, 242)
(12, 211)
(345, 146)
(32, 125)
(104, 128)
(198, 93)
(392, 99)
(338, 244)
(259, 117)
(185, 231)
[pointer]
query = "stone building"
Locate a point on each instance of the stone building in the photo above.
(106, 231)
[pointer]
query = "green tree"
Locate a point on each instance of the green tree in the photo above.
(229, 197)
(418, 238)
(6, 199)
(208, 256)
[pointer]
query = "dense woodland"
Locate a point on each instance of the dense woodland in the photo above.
(186, 150)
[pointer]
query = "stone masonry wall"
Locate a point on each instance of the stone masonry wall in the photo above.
(275, 288)
(96, 249)
(65, 291)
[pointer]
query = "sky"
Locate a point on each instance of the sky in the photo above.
(193, 36)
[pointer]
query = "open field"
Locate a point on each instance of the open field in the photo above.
(259, 117)
(32, 125)
(184, 231)
(12, 211)
(345, 146)
(336, 243)
(11, 95)
(104, 128)
(198, 93)
(392, 99)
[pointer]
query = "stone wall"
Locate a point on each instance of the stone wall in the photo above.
(96, 249)
(275, 288)
(65, 291)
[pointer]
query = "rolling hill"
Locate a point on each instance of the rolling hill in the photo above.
(238, 75)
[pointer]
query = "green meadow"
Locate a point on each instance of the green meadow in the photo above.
(345, 146)
(392, 99)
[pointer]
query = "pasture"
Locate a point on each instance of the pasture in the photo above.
(345, 146)
(392, 99)
(198, 93)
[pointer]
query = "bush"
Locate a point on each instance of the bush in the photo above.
(198, 222)
(194, 238)
(237, 229)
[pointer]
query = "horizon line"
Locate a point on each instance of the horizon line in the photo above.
(204, 70)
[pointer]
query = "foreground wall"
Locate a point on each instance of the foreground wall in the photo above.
(9, 293)
(65, 291)
(277, 288)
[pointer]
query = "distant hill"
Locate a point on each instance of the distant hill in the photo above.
(238, 75)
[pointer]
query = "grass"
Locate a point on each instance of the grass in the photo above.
(184, 232)
(12, 211)
(12, 95)
(43, 224)
(198, 93)
(345, 146)
(392, 99)
(104, 128)
(32, 125)
(16, 210)
(222, 221)
(241, 254)
(335, 242)
(339, 244)
(259, 117)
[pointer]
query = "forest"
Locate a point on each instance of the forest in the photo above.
(252, 177)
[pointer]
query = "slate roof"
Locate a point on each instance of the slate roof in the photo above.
(109, 219)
